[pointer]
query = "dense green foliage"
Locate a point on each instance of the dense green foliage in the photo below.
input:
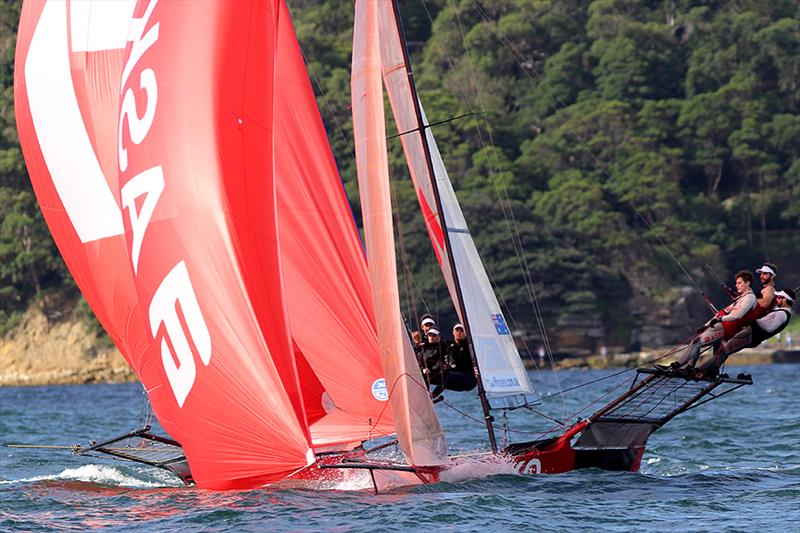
(597, 131)
(30, 266)
(600, 130)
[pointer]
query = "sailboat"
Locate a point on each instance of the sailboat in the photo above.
(181, 164)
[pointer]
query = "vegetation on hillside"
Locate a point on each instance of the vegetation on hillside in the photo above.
(601, 138)
(606, 136)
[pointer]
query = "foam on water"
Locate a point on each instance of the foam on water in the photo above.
(478, 466)
(100, 474)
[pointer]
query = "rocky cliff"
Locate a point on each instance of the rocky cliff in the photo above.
(40, 351)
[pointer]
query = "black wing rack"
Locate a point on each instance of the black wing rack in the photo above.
(616, 435)
(656, 396)
(144, 447)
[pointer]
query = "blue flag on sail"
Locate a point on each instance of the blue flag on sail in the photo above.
(500, 324)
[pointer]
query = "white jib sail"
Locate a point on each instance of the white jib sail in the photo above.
(502, 370)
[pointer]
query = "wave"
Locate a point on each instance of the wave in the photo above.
(104, 475)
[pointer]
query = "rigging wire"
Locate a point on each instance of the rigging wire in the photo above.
(145, 417)
(503, 197)
(554, 102)
(331, 111)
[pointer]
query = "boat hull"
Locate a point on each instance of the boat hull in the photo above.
(558, 455)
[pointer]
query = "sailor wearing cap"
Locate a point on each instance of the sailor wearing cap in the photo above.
(461, 374)
(433, 359)
(766, 275)
(459, 350)
(426, 322)
(751, 336)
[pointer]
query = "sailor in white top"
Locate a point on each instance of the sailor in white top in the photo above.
(751, 336)
(725, 324)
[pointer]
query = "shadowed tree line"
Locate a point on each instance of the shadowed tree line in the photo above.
(595, 132)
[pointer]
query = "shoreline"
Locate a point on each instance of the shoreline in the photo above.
(111, 368)
(41, 352)
(752, 356)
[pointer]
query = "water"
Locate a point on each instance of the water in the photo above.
(730, 465)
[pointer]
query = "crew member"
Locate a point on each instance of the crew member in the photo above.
(426, 322)
(769, 325)
(433, 359)
(766, 275)
(727, 323)
(460, 376)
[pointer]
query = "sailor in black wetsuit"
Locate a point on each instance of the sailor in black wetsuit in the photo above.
(461, 375)
(433, 359)
(769, 325)
(458, 374)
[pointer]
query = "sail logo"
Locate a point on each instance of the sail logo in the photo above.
(186, 332)
(176, 290)
(500, 324)
(379, 390)
(495, 382)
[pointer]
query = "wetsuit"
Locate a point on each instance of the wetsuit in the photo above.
(460, 376)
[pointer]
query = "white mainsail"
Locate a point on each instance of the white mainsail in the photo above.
(501, 368)
(418, 430)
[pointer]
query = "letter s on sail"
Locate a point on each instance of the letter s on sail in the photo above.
(176, 289)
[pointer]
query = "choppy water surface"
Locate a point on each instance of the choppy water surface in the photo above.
(730, 465)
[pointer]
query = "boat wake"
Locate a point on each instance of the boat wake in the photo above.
(465, 468)
(106, 475)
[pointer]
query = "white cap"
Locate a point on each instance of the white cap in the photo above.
(767, 270)
(783, 294)
(433, 331)
(459, 326)
(428, 321)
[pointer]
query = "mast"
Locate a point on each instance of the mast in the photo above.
(435, 188)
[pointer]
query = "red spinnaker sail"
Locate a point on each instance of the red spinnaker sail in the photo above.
(328, 292)
(155, 170)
